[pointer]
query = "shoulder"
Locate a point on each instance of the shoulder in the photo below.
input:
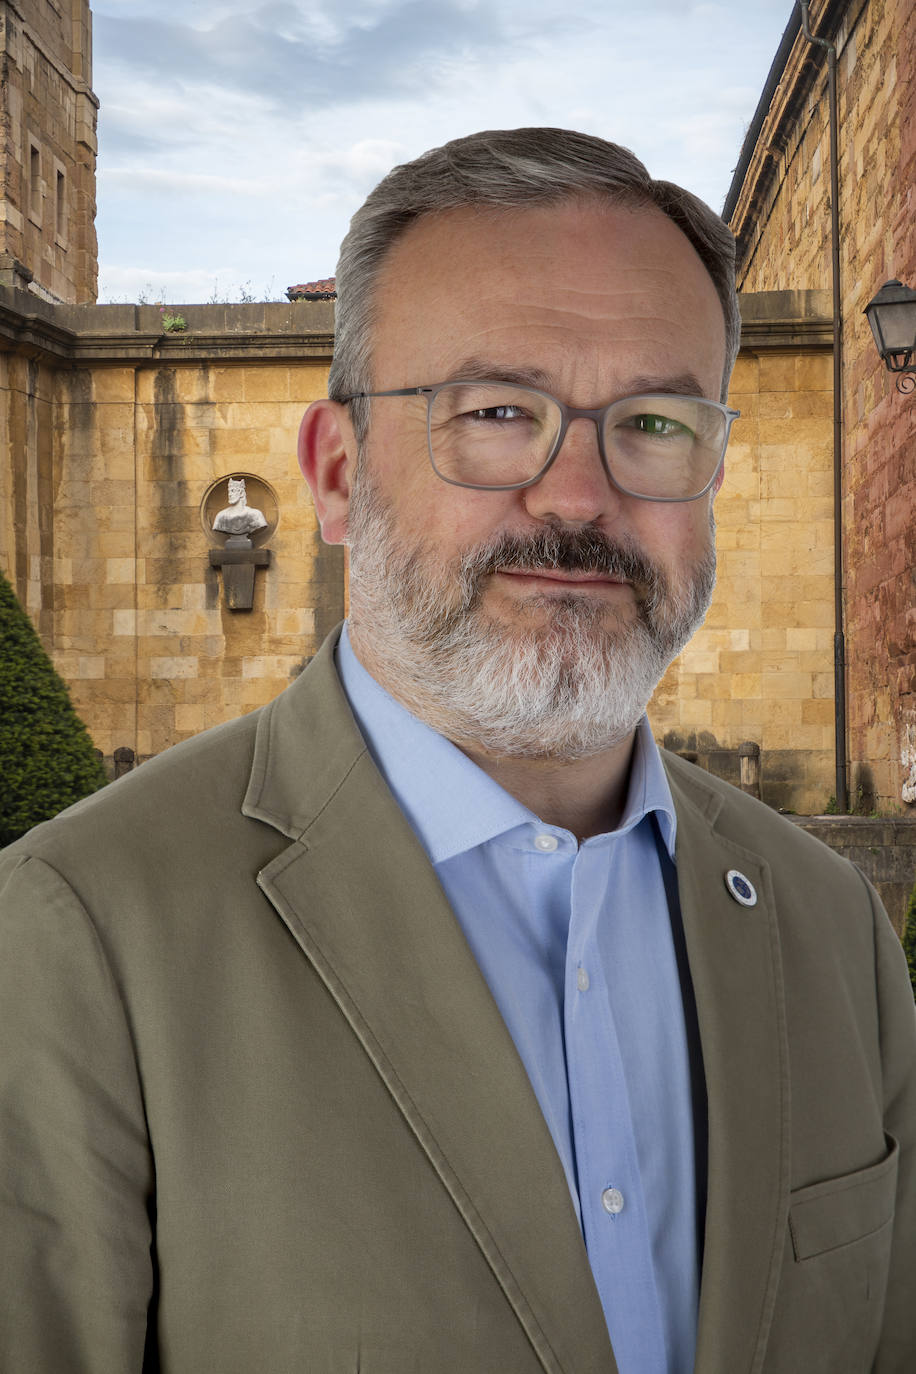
(180, 787)
(750, 824)
(193, 795)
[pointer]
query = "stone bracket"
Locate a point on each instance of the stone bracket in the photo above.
(238, 560)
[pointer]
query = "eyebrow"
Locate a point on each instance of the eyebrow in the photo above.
(682, 384)
(480, 370)
(477, 369)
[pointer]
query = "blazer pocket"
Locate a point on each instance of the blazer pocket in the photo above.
(842, 1210)
(830, 1300)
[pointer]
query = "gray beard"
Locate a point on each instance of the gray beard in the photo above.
(565, 686)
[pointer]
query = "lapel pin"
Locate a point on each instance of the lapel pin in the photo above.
(741, 888)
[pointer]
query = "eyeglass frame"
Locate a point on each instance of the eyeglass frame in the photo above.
(568, 414)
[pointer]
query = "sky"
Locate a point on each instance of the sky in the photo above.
(236, 138)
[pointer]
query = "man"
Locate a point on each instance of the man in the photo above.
(425, 1020)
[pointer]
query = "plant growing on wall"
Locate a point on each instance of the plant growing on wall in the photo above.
(172, 324)
(47, 760)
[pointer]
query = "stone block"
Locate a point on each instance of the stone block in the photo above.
(227, 384)
(776, 405)
(746, 686)
(113, 384)
(819, 712)
(173, 667)
(308, 382)
(814, 372)
(120, 569)
(777, 372)
(237, 447)
(270, 384)
(189, 720)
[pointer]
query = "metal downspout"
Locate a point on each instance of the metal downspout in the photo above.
(839, 641)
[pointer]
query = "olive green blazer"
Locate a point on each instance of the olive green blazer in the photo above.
(259, 1113)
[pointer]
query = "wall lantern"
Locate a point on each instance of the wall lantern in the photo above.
(892, 316)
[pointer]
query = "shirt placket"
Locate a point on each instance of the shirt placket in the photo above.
(610, 1189)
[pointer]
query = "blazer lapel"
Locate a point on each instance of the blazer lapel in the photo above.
(361, 899)
(734, 958)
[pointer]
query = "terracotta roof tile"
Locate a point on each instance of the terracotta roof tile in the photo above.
(323, 290)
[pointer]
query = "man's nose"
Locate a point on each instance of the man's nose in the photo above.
(576, 489)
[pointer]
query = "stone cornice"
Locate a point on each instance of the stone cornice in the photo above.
(133, 334)
(775, 129)
(785, 319)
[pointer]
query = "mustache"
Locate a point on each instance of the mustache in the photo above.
(586, 550)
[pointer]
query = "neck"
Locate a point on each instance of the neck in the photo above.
(585, 796)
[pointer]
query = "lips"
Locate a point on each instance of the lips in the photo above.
(559, 575)
(565, 578)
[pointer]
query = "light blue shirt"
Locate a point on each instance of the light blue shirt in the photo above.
(575, 942)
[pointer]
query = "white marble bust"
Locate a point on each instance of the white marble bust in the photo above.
(239, 517)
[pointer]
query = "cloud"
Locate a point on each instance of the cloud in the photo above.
(299, 58)
(246, 134)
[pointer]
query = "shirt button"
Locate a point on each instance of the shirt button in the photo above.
(546, 843)
(582, 982)
(612, 1201)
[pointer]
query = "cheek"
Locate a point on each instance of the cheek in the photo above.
(674, 534)
(430, 511)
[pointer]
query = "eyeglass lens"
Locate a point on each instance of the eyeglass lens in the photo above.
(488, 434)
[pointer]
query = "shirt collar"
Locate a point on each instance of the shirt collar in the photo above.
(451, 804)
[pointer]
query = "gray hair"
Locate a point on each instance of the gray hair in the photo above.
(503, 169)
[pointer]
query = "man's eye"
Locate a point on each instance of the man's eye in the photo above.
(497, 413)
(661, 426)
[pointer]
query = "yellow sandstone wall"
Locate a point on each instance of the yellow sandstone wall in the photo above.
(782, 221)
(109, 452)
(761, 669)
(141, 629)
(103, 468)
(26, 492)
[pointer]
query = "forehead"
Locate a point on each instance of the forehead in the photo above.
(583, 285)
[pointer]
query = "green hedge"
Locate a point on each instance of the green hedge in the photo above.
(47, 760)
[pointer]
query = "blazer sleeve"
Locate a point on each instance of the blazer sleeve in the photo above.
(76, 1175)
(897, 1023)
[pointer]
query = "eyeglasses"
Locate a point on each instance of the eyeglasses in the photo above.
(495, 436)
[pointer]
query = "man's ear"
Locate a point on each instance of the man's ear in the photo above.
(327, 457)
(720, 478)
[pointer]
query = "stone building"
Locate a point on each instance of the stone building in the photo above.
(48, 148)
(779, 208)
(119, 430)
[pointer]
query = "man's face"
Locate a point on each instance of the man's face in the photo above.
(569, 582)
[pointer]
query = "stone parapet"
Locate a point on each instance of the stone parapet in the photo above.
(883, 847)
(136, 334)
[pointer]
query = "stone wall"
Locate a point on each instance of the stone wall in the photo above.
(110, 447)
(885, 850)
(27, 388)
(48, 148)
(115, 436)
(782, 221)
(761, 669)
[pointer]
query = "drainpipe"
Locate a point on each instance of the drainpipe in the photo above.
(839, 642)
